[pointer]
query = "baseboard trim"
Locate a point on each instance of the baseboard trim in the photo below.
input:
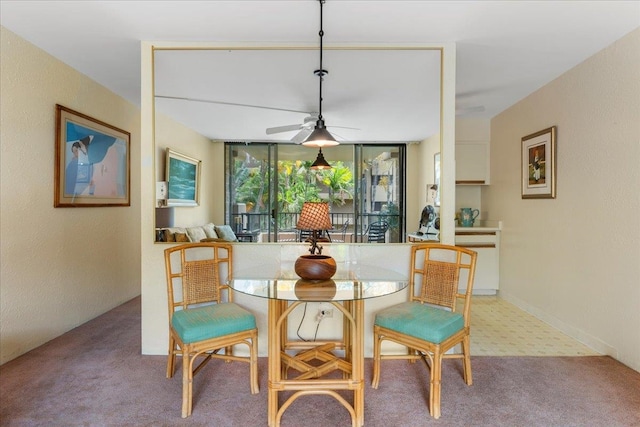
(590, 341)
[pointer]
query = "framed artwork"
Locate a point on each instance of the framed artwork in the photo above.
(93, 162)
(183, 175)
(436, 171)
(539, 165)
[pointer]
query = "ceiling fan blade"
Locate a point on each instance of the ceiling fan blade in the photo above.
(339, 138)
(343, 127)
(302, 135)
(235, 104)
(280, 129)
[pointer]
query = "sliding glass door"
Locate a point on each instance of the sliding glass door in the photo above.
(266, 185)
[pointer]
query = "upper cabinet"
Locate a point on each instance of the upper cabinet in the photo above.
(472, 162)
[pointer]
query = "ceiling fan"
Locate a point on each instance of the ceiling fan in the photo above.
(304, 129)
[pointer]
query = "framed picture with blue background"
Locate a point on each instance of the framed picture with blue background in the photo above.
(93, 162)
(183, 175)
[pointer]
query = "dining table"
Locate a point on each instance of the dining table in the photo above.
(323, 366)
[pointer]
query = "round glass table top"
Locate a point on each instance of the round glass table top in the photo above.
(352, 281)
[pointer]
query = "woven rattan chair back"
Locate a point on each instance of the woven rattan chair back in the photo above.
(439, 278)
(197, 276)
(200, 281)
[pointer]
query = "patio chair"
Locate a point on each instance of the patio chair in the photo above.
(342, 231)
(376, 232)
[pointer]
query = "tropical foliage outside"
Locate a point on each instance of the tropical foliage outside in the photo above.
(297, 183)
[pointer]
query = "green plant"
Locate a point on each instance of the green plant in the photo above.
(297, 183)
(391, 213)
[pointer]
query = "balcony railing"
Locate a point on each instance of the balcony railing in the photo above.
(285, 225)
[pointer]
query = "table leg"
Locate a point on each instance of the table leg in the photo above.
(274, 361)
(347, 333)
(357, 360)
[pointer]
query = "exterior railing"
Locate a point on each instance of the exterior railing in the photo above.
(286, 223)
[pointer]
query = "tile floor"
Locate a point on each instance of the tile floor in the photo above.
(499, 328)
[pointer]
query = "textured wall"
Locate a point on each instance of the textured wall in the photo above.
(59, 267)
(185, 141)
(575, 261)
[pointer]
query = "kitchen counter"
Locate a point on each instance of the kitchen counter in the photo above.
(481, 226)
(484, 238)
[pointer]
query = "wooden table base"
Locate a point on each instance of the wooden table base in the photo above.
(313, 361)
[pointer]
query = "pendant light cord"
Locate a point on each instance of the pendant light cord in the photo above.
(320, 136)
(321, 71)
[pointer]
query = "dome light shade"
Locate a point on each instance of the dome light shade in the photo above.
(320, 137)
(320, 162)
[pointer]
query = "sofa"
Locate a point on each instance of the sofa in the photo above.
(202, 233)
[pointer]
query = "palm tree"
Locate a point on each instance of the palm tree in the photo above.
(339, 180)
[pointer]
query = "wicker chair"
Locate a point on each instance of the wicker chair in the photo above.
(430, 324)
(203, 319)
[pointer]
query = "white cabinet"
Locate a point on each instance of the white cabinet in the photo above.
(487, 244)
(472, 162)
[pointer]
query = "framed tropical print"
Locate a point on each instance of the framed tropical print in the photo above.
(183, 175)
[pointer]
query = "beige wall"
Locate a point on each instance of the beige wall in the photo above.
(59, 266)
(413, 207)
(574, 261)
(471, 130)
(185, 141)
(425, 176)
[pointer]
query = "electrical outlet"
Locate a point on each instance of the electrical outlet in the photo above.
(324, 312)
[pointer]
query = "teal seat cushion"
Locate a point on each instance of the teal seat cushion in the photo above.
(421, 321)
(211, 321)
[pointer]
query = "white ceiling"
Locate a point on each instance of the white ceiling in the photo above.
(505, 51)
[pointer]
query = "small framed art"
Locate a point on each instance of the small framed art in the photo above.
(538, 167)
(183, 174)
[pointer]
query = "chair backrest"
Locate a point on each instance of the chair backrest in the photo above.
(198, 273)
(377, 231)
(304, 235)
(343, 230)
(442, 275)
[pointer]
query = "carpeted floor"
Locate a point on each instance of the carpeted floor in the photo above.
(96, 376)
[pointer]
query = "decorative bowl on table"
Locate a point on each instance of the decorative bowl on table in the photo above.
(315, 267)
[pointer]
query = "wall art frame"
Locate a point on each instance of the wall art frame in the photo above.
(92, 162)
(183, 175)
(538, 164)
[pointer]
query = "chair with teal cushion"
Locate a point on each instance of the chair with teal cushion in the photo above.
(436, 317)
(204, 322)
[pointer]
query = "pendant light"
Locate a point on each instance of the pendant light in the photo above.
(320, 137)
(320, 162)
